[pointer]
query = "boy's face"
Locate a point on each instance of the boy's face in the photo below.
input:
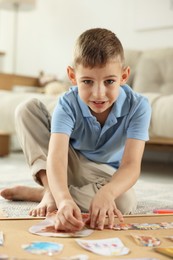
(99, 87)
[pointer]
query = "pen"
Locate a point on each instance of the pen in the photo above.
(163, 211)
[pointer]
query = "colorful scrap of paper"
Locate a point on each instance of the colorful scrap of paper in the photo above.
(48, 248)
(46, 228)
(123, 226)
(167, 225)
(143, 226)
(147, 226)
(105, 247)
(146, 240)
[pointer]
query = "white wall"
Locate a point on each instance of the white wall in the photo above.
(47, 34)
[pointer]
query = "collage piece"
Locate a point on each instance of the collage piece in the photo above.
(46, 248)
(105, 247)
(46, 228)
(146, 240)
(143, 226)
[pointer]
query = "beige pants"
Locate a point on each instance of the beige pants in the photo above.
(85, 177)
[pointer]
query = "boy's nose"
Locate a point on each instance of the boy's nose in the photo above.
(99, 91)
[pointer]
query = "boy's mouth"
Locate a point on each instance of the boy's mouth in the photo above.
(99, 102)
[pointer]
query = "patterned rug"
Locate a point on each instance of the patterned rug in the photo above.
(14, 171)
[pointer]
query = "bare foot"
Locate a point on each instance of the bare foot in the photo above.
(45, 207)
(23, 193)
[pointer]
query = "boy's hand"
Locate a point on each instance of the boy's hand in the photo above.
(103, 206)
(68, 217)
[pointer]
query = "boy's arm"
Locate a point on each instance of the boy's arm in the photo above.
(130, 167)
(69, 215)
(124, 178)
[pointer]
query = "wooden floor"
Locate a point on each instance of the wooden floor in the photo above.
(16, 234)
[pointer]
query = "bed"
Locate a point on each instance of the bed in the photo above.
(15, 89)
(7, 81)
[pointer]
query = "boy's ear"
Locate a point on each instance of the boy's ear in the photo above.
(125, 75)
(71, 75)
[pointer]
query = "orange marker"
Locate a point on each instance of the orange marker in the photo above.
(163, 211)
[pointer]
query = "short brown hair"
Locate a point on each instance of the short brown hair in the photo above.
(95, 47)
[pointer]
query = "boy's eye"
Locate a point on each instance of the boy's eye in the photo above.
(87, 82)
(109, 82)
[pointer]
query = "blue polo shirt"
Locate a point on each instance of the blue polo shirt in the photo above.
(129, 118)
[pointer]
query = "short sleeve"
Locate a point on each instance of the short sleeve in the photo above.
(139, 122)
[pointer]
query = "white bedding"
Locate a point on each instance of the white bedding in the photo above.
(9, 100)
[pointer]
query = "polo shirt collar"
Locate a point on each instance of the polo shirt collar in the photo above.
(122, 105)
(84, 108)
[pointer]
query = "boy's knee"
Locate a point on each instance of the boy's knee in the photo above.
(128, 209)
(28, 109)
(23, 108)
(127, 202)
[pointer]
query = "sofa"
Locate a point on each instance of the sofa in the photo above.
(151, 75)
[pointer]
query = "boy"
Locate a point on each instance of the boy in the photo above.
(98, 133)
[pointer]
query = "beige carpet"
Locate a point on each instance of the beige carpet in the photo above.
(154, 188)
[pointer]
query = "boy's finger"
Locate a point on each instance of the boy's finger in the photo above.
(111, 217)
(93, 220)
(101, 219)
(74, 222)
(69, 222)
(119, 215)
(86, 218)
(66, 225)
(101, 223)
(78, 215)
